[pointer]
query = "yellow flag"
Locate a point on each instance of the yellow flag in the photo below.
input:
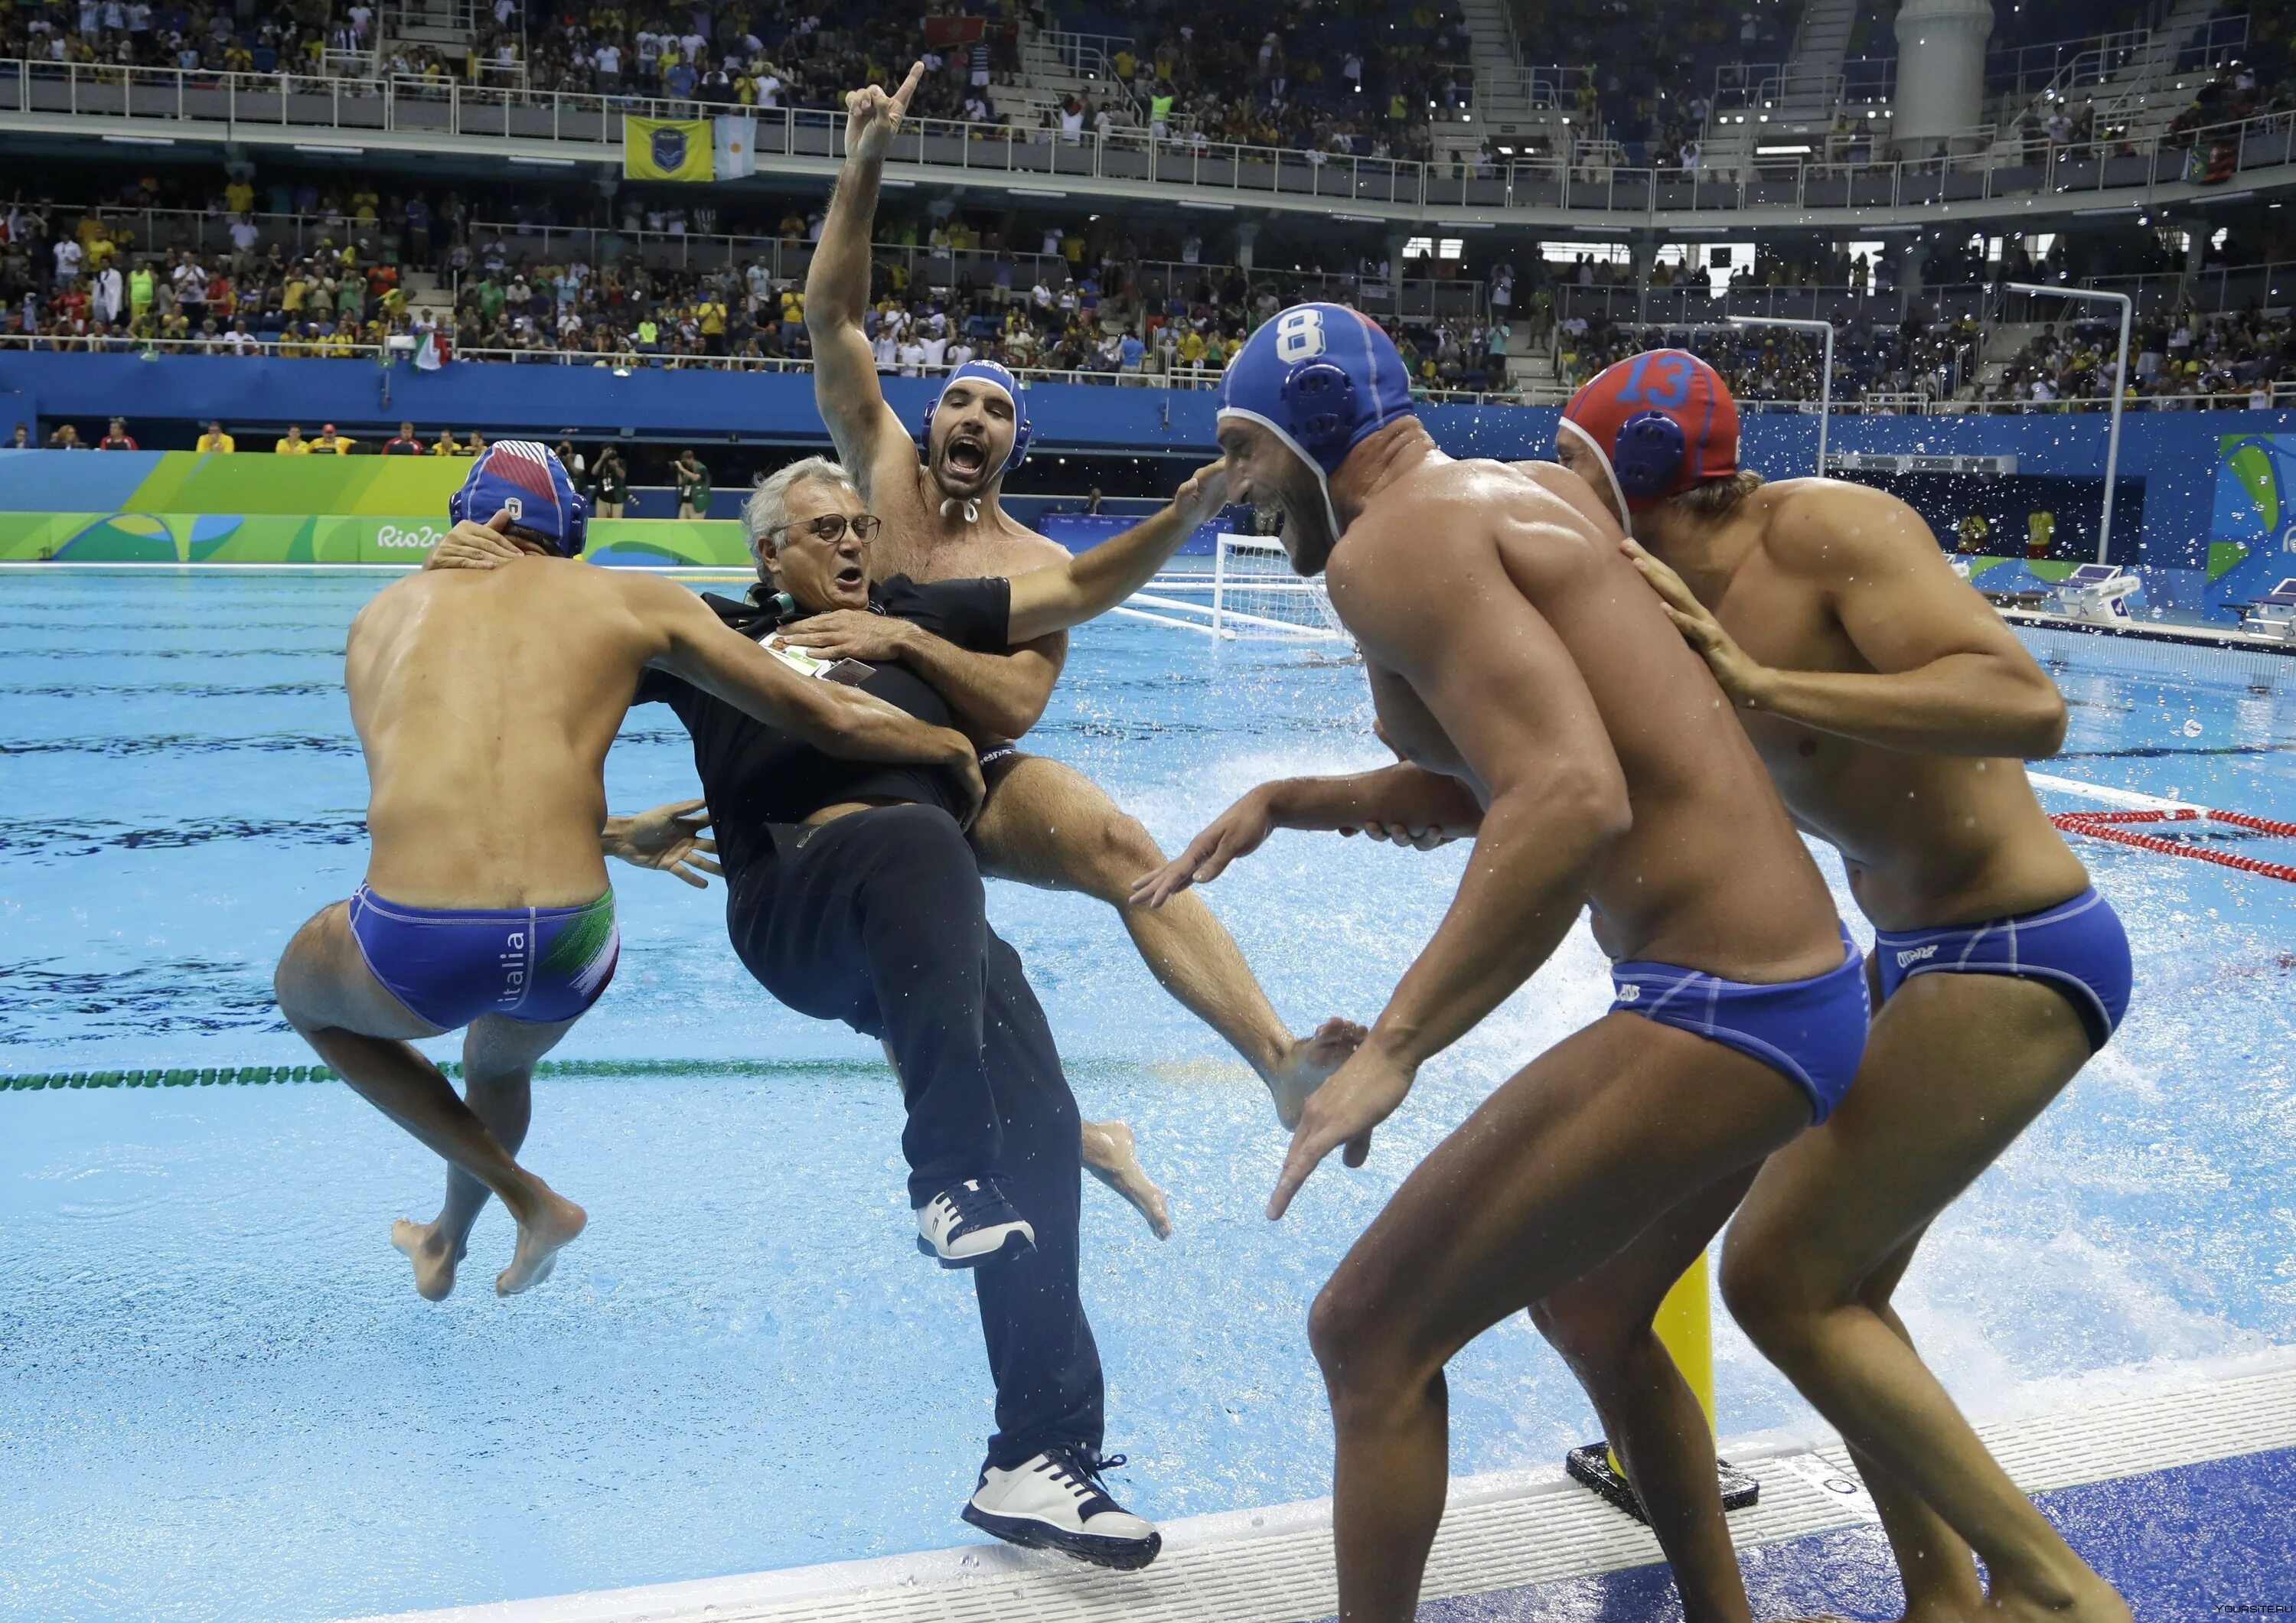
(666, 148)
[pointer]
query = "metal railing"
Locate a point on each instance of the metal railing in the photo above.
(341, 112)
(1086, 55)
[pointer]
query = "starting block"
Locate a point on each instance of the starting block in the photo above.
(2098, 592)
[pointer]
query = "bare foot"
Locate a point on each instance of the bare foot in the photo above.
(1110, 1157)
(425, 1246)
(540, 1234)
(1308, 1064)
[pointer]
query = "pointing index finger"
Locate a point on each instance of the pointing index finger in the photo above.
(900, 104)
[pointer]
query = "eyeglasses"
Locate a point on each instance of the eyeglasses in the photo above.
(831, 527)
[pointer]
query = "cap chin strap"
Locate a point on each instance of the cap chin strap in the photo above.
(1617, 491)
(1323, 481)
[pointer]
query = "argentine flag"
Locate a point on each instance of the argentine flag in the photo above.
(736, 151)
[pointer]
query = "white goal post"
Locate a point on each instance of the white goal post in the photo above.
(1250, 590)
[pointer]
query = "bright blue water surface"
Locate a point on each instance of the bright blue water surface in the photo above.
(219, 1397)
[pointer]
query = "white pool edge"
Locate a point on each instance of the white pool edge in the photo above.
(1500, 1531)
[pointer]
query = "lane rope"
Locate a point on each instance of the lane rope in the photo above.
(259, 1076)
(2112, 825)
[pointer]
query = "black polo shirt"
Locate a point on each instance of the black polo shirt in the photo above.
(752, 773)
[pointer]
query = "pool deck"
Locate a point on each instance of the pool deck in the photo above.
(2177, 1489)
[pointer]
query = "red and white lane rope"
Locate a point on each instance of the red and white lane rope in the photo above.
(2141, 808)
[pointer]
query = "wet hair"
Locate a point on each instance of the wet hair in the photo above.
(768, 508)
(1718, 498)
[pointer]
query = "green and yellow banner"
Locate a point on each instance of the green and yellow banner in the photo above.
(667, 149)
(272, 537)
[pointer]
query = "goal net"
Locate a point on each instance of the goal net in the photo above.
(1250, 590)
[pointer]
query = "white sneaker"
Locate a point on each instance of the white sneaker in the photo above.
(971, 1223)
(1057, 1501)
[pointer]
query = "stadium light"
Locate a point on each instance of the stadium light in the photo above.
(2119, 389)
(1825, 383)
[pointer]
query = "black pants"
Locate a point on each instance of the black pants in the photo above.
(877, 919)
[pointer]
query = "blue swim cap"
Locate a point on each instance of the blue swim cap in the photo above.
(525, 476)
(989, 372)
(1321, 378)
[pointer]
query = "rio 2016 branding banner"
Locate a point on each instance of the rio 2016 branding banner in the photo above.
(212, 538)
(2252, 536)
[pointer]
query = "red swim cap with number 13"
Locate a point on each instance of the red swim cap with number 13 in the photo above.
(1662, 422)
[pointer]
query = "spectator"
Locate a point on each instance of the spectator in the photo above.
(294, 444)
(610, 486)
(66, 438)
(475, 446)
(331, 444)
(407, 442)
(444, 445)
(692, 481)
(21, 440)
(214, 439)
(116, 438)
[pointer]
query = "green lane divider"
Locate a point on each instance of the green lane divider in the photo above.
(258, 1075)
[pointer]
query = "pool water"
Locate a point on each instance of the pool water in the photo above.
(222, 1397)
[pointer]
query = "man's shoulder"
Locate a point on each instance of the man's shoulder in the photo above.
(1831, 528)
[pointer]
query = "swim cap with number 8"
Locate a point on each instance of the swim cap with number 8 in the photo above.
(1321, 378)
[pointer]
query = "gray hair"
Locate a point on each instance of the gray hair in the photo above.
(768, 508)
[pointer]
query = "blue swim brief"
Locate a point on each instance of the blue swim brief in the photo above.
(2077, 947)
(1813, 1031)
(449, 965)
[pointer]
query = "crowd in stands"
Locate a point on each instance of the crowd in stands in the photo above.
(2232, 359)
(1088, 299)
(1931, 359)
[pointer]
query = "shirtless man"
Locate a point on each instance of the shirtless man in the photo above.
(1892, 708)
(485, 701)
(1045, 824)
(1542, 702)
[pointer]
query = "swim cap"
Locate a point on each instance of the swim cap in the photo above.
(989, 371)
(525, 476)
(1661, 422)
(1321, 378)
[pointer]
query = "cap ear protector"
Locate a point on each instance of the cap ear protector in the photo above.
(1648, 456)
(1319, 407)
(1021, 425)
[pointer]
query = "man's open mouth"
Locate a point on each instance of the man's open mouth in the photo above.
(966, 456)
(849, 577)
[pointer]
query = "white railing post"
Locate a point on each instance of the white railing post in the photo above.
(1825, 384)
(2119, 390)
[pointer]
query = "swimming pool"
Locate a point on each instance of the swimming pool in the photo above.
(223, 1398)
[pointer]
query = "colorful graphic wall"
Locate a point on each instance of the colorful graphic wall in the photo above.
(231, 537)
(182, 507)
(2252, 533)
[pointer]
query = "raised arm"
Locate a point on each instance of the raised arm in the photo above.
(1059, 595)
(837, 283)
(1948, 679)
(1437, 611)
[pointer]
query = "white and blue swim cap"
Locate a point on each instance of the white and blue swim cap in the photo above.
(525, 477)
(1321, 378)
(987, 372)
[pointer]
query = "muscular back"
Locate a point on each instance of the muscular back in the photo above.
(1469, 582)
(485, 700)
(1842, 578)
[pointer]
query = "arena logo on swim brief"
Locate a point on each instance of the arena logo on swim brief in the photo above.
(1630, 992)
(1914, 954)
